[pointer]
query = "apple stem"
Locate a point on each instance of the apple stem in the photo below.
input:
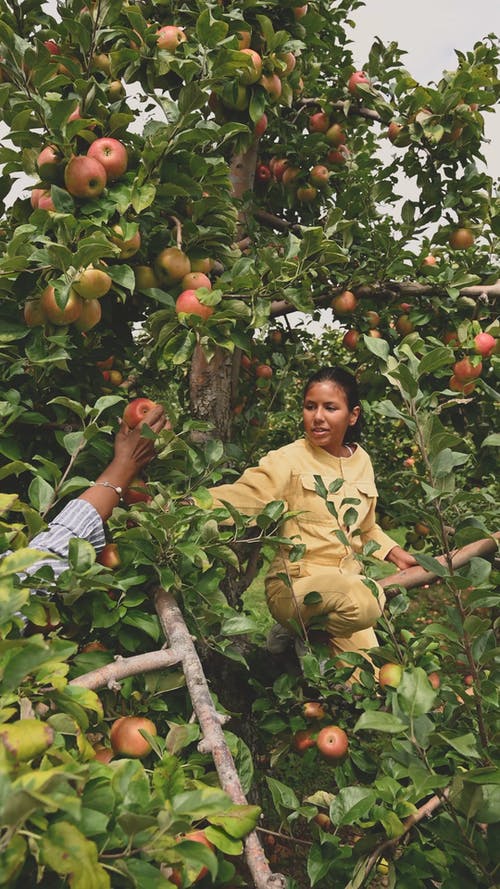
(178, 231)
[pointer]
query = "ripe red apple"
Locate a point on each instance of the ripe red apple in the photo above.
(272, 85)
(137, 492)
(92, 283)
(53, 312)
(112, 154)
(45, 202)
(263, 371)
(188, 302)
(344, 303)
(450, 338)
(464, 370)
(244, 38)
(260, 126)
(253, 71)
(289, 176)
(109, 556)
(53, 48)
(319, 122)
(196, 836)
(373, 318)
(357, 79)
(335, 135)
(461, 239)
(319, 175)
(333, 743)
(484, 344)
(460, 386)
(129, 246)
(313, 710)
(85, 177)
(350, 340)
(262, 173)
(36, 194)
(103, 754)
(338, 156)
(290, 62)
(126, 738)
(195, 280)
(303, 739)
(136, 410)
(278, 165)
(391, 674)
(404, 326)
(430, 259)
(169, 37)
(89, 316)
(50, 164)
(299, 11)
(33, 313)
(171, 265)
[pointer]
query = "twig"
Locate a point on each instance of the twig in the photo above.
(213, 741)
(178, 231)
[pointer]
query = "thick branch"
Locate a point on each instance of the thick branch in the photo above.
(354, 110)
(412, 577)
(123, 667)
(214, 742)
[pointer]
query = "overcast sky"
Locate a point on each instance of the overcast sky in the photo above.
(430, 31)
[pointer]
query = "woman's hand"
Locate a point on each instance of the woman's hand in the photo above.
(133, 451)
(401, 558)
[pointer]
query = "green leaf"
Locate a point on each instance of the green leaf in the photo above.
(380, 722)
(81, 555)
(491, 441)
(416, 695)
(377, 347)
(351, 805)
(41, 494)
(67, 852)
(237, 821)
(19, 561)
(283, 797)
(463, 744)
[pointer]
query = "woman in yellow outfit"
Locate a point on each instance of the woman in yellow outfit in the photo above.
(347, 606)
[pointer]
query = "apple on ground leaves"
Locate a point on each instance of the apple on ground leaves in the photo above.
(333, 743)
(112, 154)
(85, 177)
(189, 303)
(54, 313)
(109, 556)
(126, 738)
(484, 344)
(136, 410)
(169, 37)
(390, 674)
(92, 283)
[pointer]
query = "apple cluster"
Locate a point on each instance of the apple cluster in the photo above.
(174, 268)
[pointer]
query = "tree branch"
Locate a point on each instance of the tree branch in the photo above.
(412, 577)
(123, 667)
(213, 741)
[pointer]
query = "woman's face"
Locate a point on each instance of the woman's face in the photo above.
(327, 416)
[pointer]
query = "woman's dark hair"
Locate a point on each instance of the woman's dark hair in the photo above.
(347, 381)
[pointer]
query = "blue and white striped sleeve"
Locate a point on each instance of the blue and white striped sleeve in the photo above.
(78, 519)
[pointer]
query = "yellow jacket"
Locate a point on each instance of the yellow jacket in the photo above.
(288, 474)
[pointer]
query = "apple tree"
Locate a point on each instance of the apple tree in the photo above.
(178, 181)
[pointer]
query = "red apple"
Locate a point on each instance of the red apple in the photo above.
(33, 313)
(319, 122)
(50, 164)
(263, 371)
(262, 173)
(299, 11)
(398, 134)
(344, 303)
(53, 312)
(45, 202)
(253, 71)
(434, 679)
(464, 370)
(189, 303)
(307, 194)
(289, 176)
(260, 126)
(335, 135)
(89, 316)
(333, 743)
(85, 177)
(350, 340)
(126, 738)
(278, 165)
(484, 344)
(319, 175)
(272, 85)
(112, 154)
(303, 739)
(109, 556)
(290, 62)
(36, 194)
(313, 710)
(391, 674)
(169, 37)
(196, 836)
(53, 47)
(103, 754)
(404, 326)
(136, 410)
(357, 79)
(462, 239)
(195, 280)
(129, 246)
(338, 156)
(137, 492)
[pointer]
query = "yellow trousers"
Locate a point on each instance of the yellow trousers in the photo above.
(348, 608)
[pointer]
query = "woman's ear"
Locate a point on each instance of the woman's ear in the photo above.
(355, 414)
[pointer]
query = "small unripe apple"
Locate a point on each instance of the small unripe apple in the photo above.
(109, 556)
(390, 674)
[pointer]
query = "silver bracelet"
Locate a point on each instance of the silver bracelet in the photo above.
(117, 488)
